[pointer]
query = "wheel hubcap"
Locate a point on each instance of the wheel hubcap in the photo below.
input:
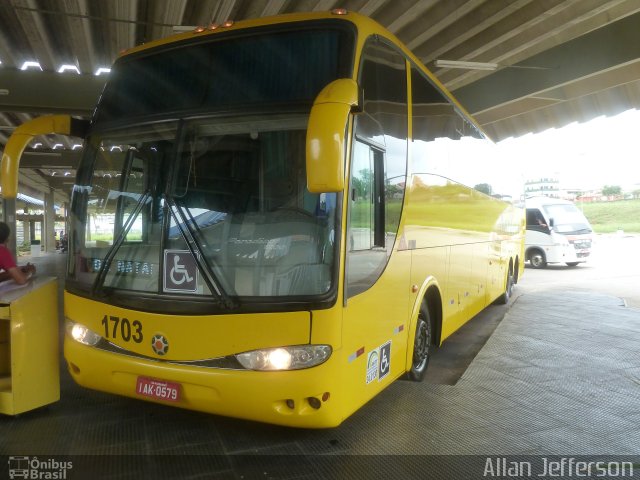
(422, 343)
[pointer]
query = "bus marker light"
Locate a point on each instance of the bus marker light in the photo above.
(290, 403)
(228, 23)
(213, 26)
(314, 402)
(339, 11)
(199, 30)
(325, 396)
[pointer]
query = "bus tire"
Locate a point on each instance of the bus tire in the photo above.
(422, 345)
(537, 259)
(508, 288)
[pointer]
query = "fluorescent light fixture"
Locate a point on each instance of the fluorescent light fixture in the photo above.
(37, 145)
(183, 28)
(76, 145)
(466, 65)
(30, 64)
(57, 145)
(67, 67)
(4, 91)
(102, 70)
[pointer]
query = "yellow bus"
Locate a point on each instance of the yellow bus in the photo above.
(269, 221)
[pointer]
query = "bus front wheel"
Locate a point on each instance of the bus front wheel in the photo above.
(422, 345)
(537, 259)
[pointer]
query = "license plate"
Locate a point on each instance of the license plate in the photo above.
(158, 389)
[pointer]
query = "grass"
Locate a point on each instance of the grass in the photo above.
(605, 217)
(608, 217)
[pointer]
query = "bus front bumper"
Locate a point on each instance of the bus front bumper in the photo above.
(300, 398)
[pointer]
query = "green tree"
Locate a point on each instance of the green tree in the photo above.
(362, 183)
(611, 190)
(484, 188)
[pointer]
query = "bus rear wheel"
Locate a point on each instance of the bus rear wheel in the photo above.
(421, 346)
(508, 289)
(537, 259)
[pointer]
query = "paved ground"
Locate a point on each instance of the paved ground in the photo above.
(614, 269)
(558, 375)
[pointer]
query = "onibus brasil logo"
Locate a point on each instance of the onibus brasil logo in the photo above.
(34, 468)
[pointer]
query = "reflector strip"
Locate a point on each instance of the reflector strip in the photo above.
(355, 355)
(398, 329)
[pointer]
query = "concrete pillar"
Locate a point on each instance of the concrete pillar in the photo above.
(9, 217)
(26, 228)
(48, 233)
(32, 231)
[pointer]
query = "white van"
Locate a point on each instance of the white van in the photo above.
(557, 232)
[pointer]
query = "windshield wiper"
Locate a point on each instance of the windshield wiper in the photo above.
(106, 263)
(187, 231)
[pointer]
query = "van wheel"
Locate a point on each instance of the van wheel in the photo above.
(421, 346)
(572, 264)
(537, 259)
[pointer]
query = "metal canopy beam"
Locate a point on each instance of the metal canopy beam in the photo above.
(606, 48)
(64, 159)
(49, 92)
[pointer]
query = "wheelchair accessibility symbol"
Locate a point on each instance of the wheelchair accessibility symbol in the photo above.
(385, 360)
(180, 271)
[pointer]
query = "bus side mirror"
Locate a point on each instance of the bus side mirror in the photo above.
(326, 135)
(58, 124)
(551, 223)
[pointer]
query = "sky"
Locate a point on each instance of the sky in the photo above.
(590, 155)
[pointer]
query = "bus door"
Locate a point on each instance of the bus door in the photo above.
(377, 274)
(377, 278)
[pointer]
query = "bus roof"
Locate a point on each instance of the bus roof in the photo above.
(360, 21)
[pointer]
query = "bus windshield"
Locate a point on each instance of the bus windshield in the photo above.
(223, 72)
(187, 187)
(204, 207)
(567, 219)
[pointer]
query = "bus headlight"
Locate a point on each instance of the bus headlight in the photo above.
(82, 334)
(285, 358)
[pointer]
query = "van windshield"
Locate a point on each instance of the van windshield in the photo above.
(567, 219)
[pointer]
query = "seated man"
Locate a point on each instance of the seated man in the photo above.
(10, 270)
